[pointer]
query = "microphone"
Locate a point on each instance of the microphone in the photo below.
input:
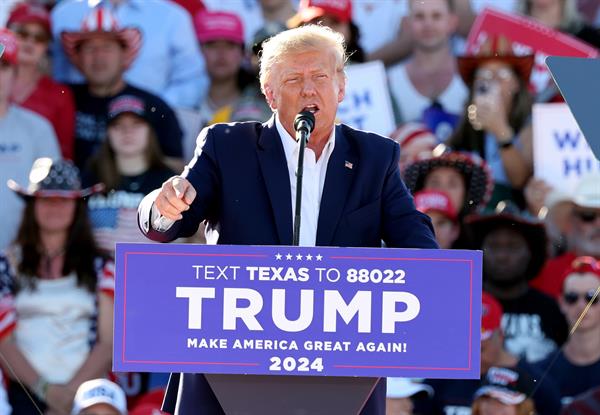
(304, 123)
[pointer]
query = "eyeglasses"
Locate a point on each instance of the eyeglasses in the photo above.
(37, 37)
(587, 216)
(572, 297)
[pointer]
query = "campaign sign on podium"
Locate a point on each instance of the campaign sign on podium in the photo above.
(282, 310)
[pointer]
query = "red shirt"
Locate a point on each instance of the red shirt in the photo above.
(550, 279)
(54, 102)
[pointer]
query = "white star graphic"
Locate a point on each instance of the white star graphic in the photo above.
(319, 257)
(288, 257)
(299, 257)
(309, 257)
(278, 256)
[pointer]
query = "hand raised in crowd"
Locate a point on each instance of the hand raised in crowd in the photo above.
(59, 399)
(175, 196)
(489, 112)
(535, 193)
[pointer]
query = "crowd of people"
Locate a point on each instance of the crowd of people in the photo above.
(102, 101)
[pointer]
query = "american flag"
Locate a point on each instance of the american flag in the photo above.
(114, 219)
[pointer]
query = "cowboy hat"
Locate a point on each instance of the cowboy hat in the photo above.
(101, 22)
(54, 178)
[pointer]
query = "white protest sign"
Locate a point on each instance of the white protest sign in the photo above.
(561, 154)
(367, 105)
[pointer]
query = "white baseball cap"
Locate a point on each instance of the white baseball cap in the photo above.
(587, 192)
(405, 388)
(99, 391)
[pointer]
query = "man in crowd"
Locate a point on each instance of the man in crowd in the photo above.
(353, 194)
(430, 74)
(583, 238)
(169, 63)
(515, 250)
(576, 369)
(103, 51)
(24, 137)
(221, 38)
(455, 397)
(99, 396)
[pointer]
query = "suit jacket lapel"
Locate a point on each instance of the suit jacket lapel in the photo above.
(340, 172)
(276, 175)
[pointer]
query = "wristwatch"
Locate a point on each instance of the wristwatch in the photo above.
(510, 135)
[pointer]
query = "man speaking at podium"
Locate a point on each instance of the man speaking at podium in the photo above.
(242, 180)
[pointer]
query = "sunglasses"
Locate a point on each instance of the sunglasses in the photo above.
(571, 297)
(501, 74)
(37, 37)
(587, 216)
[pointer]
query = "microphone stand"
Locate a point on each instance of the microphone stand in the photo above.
(302, 135)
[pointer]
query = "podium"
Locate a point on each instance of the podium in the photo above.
(294, 395)
(295, 330)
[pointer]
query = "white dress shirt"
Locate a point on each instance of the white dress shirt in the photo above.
(312, 182)
(312, 185)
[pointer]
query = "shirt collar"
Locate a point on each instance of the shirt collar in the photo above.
(291, 146)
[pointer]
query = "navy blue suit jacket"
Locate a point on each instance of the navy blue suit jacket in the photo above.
(242, 182)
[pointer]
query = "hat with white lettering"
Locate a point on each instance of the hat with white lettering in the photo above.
(99, 391)
(127, 104)
(509, 386)
(430, 200)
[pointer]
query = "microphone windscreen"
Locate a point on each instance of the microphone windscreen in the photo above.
(306, 116)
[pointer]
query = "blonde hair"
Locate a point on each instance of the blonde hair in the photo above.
(301, 39)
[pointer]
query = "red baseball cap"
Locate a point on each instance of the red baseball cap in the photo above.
(211, 26)
(29, 13)
(9, 41)
(435, 201)
(583, 265)
(411, 132)
(491, 315)
(308, 10)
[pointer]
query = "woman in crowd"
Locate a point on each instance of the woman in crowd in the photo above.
(464, 178)
(34, 89)
(56, 294)
(496, 123)
(130, 164)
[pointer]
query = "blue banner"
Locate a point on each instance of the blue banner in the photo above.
(285, 310)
